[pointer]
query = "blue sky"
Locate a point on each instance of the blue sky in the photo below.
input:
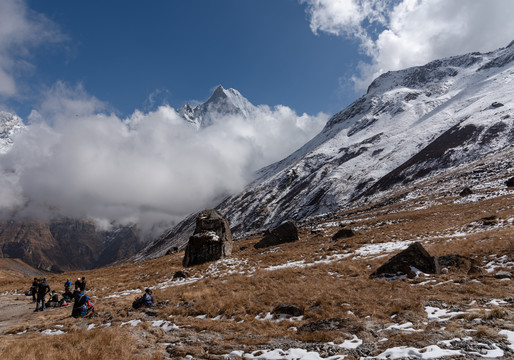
(129, 53)
(311, 55)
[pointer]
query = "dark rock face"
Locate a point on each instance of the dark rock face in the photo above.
(288, 309)
(285, 233)
(343, 234)
(415, 256)
(66, 244)
(510, 182)
(211, 240)
(466, 192)
(496, 104)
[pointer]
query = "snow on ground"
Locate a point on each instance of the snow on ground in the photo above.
(279, 354)
(428, 352)
(381, 249)
(436, 314)
(52, 332)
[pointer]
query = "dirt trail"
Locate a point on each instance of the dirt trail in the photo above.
(16, 311)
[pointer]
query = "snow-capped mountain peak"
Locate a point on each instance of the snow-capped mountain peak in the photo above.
(222, 103)
(10, 125)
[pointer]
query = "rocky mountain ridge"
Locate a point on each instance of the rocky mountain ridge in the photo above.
(409, 125)
(10, 125)
(222, 103)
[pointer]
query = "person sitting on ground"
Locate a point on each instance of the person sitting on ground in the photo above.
(76, 293)
(148, 299)
(67, 295)
(82, 306)
(54, 299)
(42, 289)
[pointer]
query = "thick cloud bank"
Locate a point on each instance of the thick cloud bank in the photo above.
(77, 160)
(405, 33)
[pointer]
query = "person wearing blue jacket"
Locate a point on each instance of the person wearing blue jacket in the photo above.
(67, 285)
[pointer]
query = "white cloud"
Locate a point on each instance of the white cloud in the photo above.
(152, 168)
(413, 32)
(21, 29)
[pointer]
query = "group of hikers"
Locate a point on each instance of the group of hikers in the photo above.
(82, 305)
(81, 302)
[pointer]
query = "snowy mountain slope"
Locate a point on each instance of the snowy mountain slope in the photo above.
(10, 125)
(222, 102)
(410, 124)
(463, 106)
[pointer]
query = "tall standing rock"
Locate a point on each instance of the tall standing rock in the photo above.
(211, 240)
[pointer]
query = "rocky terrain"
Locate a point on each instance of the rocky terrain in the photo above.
(313, 298)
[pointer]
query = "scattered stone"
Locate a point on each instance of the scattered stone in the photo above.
(466, 192)
(173, 250)
(181, 274)
(335, 324)
(151, 312)
(211, 240)
(510, 182)
(496, 104)
(502, 274)
(459, 262)
(288, 309)
(407, 261)
(343, 234)
(363, 351)
(489, 221)
(285, 233)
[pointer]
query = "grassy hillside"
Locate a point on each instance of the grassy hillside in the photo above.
(224, 308)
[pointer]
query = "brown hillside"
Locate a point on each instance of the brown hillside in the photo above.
(226, 307)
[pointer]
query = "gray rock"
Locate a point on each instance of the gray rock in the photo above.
(181, 274)
(211, 240)
(343, 234)
(285, 233)
(335, 324)
(415, 256)
(466, 192)
(288, 309)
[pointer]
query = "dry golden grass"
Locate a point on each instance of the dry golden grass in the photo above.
(101, 344)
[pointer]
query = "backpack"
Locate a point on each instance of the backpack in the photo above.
(137, 303)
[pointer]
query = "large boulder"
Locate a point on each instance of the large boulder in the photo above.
(407, 261)
(343, 234)
(286, 232)
(211, 240)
